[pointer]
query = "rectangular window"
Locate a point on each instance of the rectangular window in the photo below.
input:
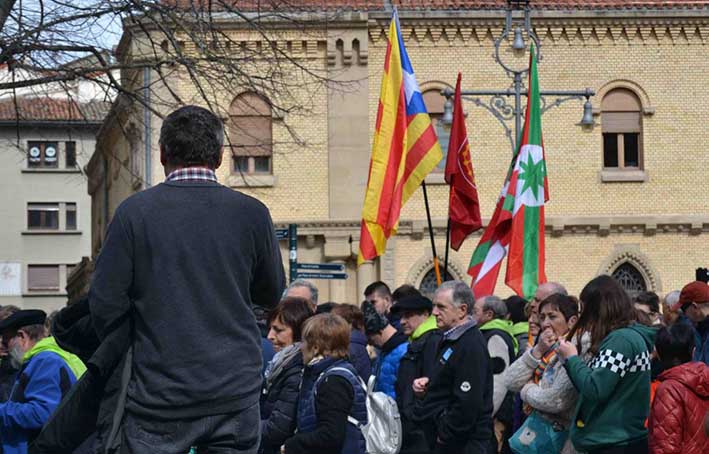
(71, 216)
(610, 150)
(631, 149)
(250, 165)
(70, 155)
(43, 216)
(42, 154)
(43, 277)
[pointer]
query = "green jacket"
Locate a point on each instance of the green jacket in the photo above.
(614, 390)
(423, 328)
(49, 344)
(502, 325)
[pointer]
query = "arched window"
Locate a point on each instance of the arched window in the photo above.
(435, 105)
(250, 134)
(621, 122)
(429, 284)
(630, 279)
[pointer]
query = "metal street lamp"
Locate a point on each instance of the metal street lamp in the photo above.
(496, 100)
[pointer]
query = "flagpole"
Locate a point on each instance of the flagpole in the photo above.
(436, 266)
(448, 239)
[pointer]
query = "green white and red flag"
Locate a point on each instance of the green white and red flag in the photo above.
(516, 228)
(527, 193)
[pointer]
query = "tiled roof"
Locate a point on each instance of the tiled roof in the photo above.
(378, 5)
(50, 109)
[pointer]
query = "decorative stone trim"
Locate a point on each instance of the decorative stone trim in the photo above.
(425, 263)
(633, 255)
(642, 95)
(555, 225)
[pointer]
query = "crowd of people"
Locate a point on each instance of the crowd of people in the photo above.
(190, 341)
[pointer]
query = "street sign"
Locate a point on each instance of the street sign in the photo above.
(322, 275)
(322, 267)
(281, 234)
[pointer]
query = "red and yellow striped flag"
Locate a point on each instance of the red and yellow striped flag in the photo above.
(405, 149)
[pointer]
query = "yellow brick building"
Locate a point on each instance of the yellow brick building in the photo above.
(627, 196)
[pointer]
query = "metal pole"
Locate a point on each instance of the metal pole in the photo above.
(436, 267)
(518, 109)
(293, 255)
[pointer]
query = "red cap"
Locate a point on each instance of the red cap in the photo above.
(694, 292)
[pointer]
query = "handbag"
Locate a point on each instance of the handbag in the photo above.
(538, 435)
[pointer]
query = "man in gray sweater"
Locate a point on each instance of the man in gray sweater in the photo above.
(185, 261)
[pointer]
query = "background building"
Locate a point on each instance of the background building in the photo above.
(46, 136)
(627, 196)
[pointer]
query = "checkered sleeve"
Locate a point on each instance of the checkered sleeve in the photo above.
(614, 360)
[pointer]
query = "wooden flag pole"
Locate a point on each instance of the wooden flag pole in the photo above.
(436, 266)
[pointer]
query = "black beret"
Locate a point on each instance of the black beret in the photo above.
(23, 318)
(412, 303)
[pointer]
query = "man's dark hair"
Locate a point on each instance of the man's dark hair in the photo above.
(325, 308)
(380, 287)
(675, 344)
(404, 291)
(192, 135)
(649, 299)
(515, 308)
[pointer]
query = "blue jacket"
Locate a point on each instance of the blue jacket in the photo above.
(701, 338)
(387, 366)
(359, 357)
(310, 417)
(41, 383)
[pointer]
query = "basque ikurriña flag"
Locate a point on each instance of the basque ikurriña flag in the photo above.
(517, 225)
(404, 151)
(463, 206)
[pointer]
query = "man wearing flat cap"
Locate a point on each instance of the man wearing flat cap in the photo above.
(694, 302)
(46, 373)
(419, 361)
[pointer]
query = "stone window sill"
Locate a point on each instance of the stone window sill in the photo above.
(41, 170)
(436, 178)
(623, 176)
(251, 181)
(51, 232)
(43, 293)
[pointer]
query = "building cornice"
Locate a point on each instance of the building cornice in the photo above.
(556, 226)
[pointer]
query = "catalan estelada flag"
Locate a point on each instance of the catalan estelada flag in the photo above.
(404, 151)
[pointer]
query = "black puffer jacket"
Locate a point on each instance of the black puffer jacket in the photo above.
(279, 403)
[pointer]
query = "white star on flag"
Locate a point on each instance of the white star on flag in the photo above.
(410, 86)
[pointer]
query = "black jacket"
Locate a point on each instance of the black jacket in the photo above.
(189, 288)
(7, 378)
(419, 361)
(458, 402)
(279, 404)
(93, 407)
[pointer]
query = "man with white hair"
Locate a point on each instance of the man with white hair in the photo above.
(300, 288)
(670, 307)
(455, 406)
(490, 312)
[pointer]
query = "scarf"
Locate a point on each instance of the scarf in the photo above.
(279, 362)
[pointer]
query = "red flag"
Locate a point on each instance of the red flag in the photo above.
(464, 208)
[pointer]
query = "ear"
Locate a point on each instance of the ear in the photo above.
(163, 160)
(572, 321)
(221, 158)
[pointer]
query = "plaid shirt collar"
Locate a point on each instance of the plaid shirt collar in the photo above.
(192, 173)
(457, 331)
